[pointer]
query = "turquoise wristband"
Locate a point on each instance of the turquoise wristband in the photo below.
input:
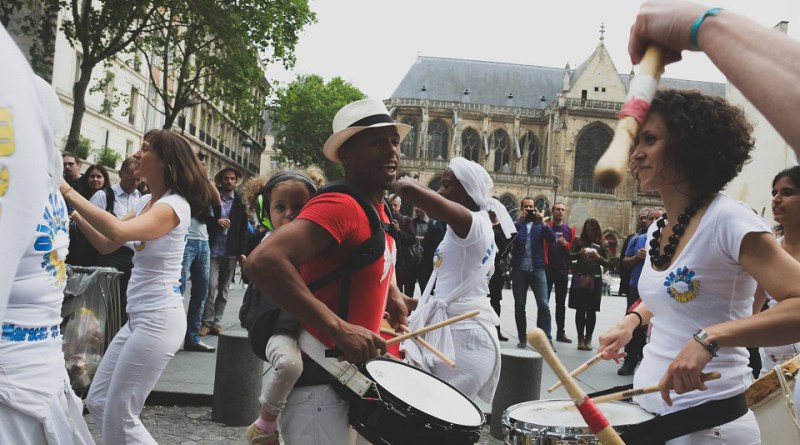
(697, 23)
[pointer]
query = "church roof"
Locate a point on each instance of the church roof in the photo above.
(491, 83)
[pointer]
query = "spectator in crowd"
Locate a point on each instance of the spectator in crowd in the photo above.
(196, 264)
(558, 265)
(120, 199)
(625, 274)
(72, 169)
(502, 264)
(408, 248)
(632, 261)
(434, 234)
(81, 251)
(590, 254)
(228, 245)
(528, 269)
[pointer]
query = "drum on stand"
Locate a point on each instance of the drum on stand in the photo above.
(557, 421)
(771, 399)
(411, 406)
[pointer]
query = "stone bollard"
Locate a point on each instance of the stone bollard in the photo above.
(237, 380)
(520, 381)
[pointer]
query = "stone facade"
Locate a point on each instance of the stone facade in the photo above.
(537, 131)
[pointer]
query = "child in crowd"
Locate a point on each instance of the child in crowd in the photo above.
(283, 196)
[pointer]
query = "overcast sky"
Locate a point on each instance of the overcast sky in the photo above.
(373, 43)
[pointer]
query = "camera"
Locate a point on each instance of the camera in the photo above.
(530, 215)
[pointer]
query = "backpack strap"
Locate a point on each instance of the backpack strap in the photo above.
(365, 253)
(110, 197)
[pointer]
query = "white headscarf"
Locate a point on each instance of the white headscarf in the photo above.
(478, 185)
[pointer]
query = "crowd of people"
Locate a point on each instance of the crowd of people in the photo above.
(704, 275)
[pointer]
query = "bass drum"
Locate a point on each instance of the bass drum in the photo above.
(411, 406)
(557, 421)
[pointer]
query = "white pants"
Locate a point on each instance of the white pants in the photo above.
(742, 431)
(283, 354)
(475, 362)
(317, 415)
(130, 369)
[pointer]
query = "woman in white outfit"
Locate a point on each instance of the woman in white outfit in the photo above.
(463, 264)
(156, 324)
(37, 405)
(700, 273)
(785, 212)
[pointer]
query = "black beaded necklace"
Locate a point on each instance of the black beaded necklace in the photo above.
(659, 260)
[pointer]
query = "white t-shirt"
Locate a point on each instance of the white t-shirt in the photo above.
(155, 278)
(705, 285)
(26, 152)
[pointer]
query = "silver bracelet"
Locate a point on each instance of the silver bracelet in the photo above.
(700, 336)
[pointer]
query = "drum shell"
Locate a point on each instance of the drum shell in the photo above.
(519, 432)
(768, 400)
(383, 418)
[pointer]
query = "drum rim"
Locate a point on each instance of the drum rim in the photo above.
(383, 390)
(506, 419)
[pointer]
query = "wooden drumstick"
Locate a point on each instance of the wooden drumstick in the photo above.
(589, 363)
(432, 327)
(613, 165)
(448, 361)
(594, 418)
(622, 395)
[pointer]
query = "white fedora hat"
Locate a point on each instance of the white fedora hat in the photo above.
(357, 116)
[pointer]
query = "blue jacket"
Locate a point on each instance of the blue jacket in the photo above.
(539, 232)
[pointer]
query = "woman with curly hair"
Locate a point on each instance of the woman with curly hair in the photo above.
(158, 226)
(704, 258)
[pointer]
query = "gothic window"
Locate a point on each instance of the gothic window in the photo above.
(530, 145)
(589, 147)
(408, 148)
(542, 204)
(500, 141)
(438, 138)
(470, 144)
(511, 205)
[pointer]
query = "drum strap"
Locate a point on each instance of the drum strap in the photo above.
(680, 423)
(343, 371)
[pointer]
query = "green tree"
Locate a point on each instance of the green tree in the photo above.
(210, 52)
(302, 114)
(35, 19)
(99, 30)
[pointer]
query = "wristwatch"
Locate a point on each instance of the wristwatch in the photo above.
(701, 336)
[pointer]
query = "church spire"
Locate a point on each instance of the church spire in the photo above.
(602, 32)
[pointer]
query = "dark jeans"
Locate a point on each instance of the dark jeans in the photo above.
(196, 260)
(536, 280)
(496, 290)
(558, 278)
(636, 345)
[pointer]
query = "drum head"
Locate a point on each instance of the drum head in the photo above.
(424, 392)
(563, 413)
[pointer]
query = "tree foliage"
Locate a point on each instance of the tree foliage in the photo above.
(302, 114)
(99, 30)
(210, 52)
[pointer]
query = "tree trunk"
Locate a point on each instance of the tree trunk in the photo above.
(78, 107)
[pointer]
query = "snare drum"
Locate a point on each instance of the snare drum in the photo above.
(410, 406)
(557, 421)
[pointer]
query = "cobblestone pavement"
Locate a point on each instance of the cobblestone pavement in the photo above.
(192, 425)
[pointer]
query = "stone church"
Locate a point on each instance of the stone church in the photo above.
(538, 131)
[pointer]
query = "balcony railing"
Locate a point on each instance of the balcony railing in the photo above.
(441, 164)
(481, 108)
(593, 104)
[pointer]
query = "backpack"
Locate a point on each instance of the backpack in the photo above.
(259, 315)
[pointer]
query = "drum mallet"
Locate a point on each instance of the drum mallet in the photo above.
(588, 364)
(447, 360)
(613, 165)
(594, 418)
(622, 395)
(432, 327)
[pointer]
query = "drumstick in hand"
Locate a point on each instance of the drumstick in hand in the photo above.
(622, 395)
(594, 418)
(447, 360)
(432, 327)
(589, 363)
(613, 165)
